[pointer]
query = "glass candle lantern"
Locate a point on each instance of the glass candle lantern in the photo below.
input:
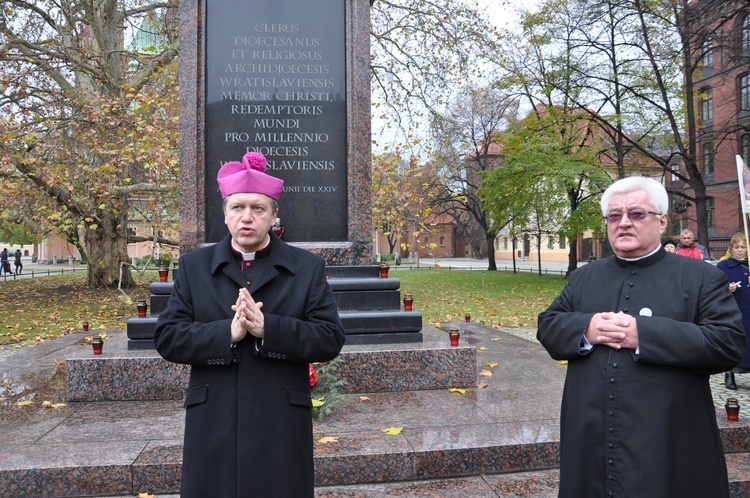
(454, 335)
(163, 274)
(85, 326)
(467, 317)
(384, 270)
(733, 409)
(97, 344)
(408, 302)
(142, 308)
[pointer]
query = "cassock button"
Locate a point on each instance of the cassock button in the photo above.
(248, 263)
(630, 284)
(627, 296)
(611, 413)
(611, 462)
(611, 397)
(612, 380)
(249, 283)
(611, 446)
(611, 429)
(614, 365)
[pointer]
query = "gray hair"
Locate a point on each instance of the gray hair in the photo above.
(656, 192)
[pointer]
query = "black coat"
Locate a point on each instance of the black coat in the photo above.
(644, 424)
(248, 427)
(737, 271)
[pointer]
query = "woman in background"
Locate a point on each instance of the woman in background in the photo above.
(737, 271)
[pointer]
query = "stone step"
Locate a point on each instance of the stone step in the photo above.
(374, 326)
(124, 374)
(368, 300)
(517, 470)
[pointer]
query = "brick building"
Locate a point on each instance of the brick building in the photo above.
(722, 99)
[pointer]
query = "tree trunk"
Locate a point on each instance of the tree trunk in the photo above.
(107, 248)
(491, 252)
(572, 256)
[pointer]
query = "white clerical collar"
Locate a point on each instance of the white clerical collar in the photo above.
(250, 256)
(642, 257)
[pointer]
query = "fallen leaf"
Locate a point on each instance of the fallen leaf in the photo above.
(459, 390)
(497, 338)
(145, 495)
(482, 348)
(328, 439)
(485, 373)
(482, 386)
(393, 431)
(25, 403)
(318, 402)
(563, 362)
(492, 364)
(364, 398)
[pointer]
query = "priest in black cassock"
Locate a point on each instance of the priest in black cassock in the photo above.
(642, 332)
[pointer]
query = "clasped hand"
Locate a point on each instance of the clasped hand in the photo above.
(616, 330)
(248, 318)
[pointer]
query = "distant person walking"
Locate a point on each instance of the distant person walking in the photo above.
(19, 265)
(4, 263)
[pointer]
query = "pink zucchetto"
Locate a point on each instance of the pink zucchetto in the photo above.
(248, 177)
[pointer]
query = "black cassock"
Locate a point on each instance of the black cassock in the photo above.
(643, 424)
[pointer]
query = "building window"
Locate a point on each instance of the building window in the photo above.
(745, 34)
(745, 148)
(708, 52)
(675, 168)
(562, 242)
(550, 243)
(505, 243)
(442, 241)
(710, 207)
(707, 158)
(707, 105)
(745, 92)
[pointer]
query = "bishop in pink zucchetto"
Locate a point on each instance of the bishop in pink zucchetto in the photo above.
(248, 177)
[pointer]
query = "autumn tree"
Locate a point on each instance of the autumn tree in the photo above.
(401, 201)
(466, 150)
(422, 53)
(550, 180)
(632, 66)
(88, 134)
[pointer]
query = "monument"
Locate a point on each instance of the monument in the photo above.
(289, 79)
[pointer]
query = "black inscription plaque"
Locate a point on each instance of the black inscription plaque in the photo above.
(276, 84)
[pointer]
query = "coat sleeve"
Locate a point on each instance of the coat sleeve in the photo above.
(180, 338)
(713, 342)
(561, 327)
(316, 336)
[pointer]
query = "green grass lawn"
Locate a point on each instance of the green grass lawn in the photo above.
(498, 299)
(39, 309)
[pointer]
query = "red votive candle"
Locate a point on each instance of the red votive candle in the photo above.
(163, 274)
(97, 344)
(467, 317)
(384, 271)
(733, 409)
(142, 308)
(408, 302)
(454, 336)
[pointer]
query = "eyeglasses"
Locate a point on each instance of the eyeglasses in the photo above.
(634, 216)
